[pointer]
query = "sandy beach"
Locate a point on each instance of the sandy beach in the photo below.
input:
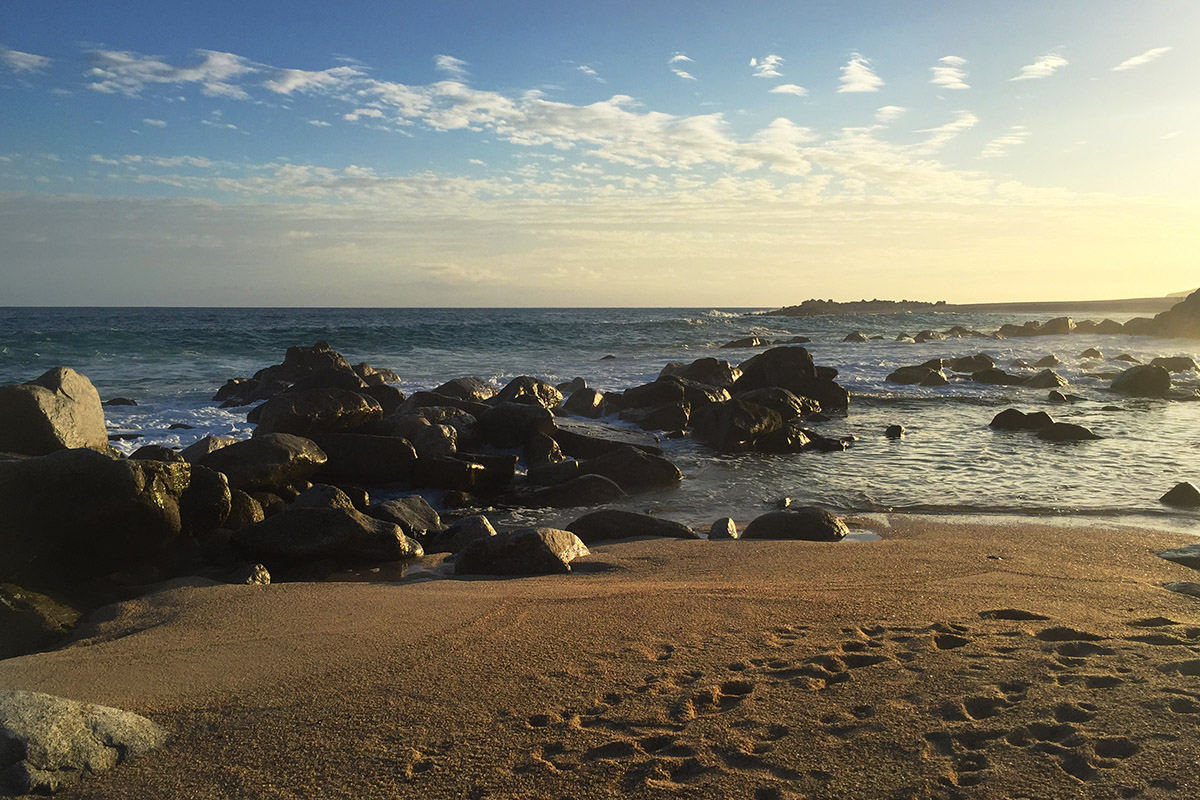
(947, 659)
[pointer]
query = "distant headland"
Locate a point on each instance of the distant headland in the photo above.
(818, 308)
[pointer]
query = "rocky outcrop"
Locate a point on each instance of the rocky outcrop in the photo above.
(47, 742)
(1182, 320)
(59, 410)
(530, 551)
(266, 463)
(805, 523)
(317, 412)
(710, 371)
(791, 368)
(616, 524)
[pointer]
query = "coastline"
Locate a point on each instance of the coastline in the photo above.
(693, 668)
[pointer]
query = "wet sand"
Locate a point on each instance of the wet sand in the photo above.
(985, 660)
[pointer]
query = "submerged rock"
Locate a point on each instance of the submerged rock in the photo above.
(58, 410)
(1176, 363)
(1011, 419)
(529, 551)
(806, 523)
(1066, 432)
(1046, 379)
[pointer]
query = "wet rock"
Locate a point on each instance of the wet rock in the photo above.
(1048, 361)
(748, 341)
(552, 474)
(1011, 419)
(856, 336)
(266, 463)
(806, 523)
(670, 417)
(542, 449)
(588, 440)
(1057, 327)
(526, 389)
(1046, 379)
(934, 379)
(389, 397)
(529, 551)
(47, 742)
(791, 368)
(724, 528)
(431, 441)
(156, 452)
(413, 514)
(789, 406)
(1143, 381)
(300, 362)
(911, 376)
(470, 388)
(29, 622)
(119, 401)
(894, 432)
(461, 534)
(1183, 495)
(1056, 396)
(1127, 359)
(929, 336)
(791, 438)
(710, 371)
(585, 490)
(56, 411)
(997, 377)
(374, 376)
(449, 473)
(317, 412)
(616, 524)
(354, 457)
(1015, 331)
(1092, 352)
(1066, 432)
(970, 364)
(1176, 364)
(419, 400)
(310, 534)
(633, 470)
(511, 424)
(1188, 555)
(585, 403)
(1182, 320)
(736, 425)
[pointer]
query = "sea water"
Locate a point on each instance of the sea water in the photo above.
(172, 360)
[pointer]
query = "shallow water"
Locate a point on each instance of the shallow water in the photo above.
(171, 361)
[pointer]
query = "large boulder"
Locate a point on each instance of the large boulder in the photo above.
(791, 368)
(585, 402)
(266, 463)
(529, 551)
(317, 412)
(469, 388)
(997, 377)
(413, 514)
(1066, 432)
(460, 534)
(1057, 327)
(633, 470)
(969, 364)
(300, 362)
(77, 514)
(510, 424)
(912, 376)
(1011, 419)
(1143, 381)
(1046, 379)
(807, 523)
(588, 440)
(311, 534)
(59, 410)
(669, 417)
(1183, 495)
(209, 444)
(710, 371)
(526, 389)
(49, 742)
(611, 523)
(206, 502)
(735, 425)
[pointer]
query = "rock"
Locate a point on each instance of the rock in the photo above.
(311, 534)
(389, 397)
(541, 449)
(929, 336)
(911, 376)
(789, 406)
(1056, 396)
(449, 473)
(616, 524)
(76, 514)
(1188, 555)
(180, 426)
(856, 336)
(124, 437)
(341, 379)
(317, 412)
(470, 388)
(419, 400)
(1140, 326)
(588, 440)
(748, 341)
(529, 551)
(894, 432)
(1011, 331)
(904, 338)
(156, 452)
(736, 425)
(525, 389)
(934, 379)
(209, 444)
(1011, 419)
(1066, 432)
(609, 357)
(571, 386)
(791, 438)
(460, 534)
(1176, 364)
(670, 417)
(806, 523)
(1182, 320)
(791, 368)
(206, 502)
(1184, 495)
(29, 622)
(268, 462)
(119, 401)
(245, 575)
(322, 495)
(244, 391)
(1048, 361)
(356, 457)
(1143, 381)
(413, 514)
(301, 362)
(373, 376)
(969, 364)
(1092, 352)
(49, 742)
(57, 411)
(585, 403)
(724, 528)
(1189, 588)
(552, 473)
(1127, 359)
(431, 441)
(243, 510)
(510, 424)
(585, 490)
(633, 470)
(1057, 327)
(498, 471)
(1046, 379)
(659, 392)
(997, 377)
(710, 371)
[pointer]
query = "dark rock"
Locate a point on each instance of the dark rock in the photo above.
(970, 364)
(894, 432)
(243, 510)
(1140, 326)
(446, 472)
(633, 470)
(1109, 326)
(585, 490)
(570, 387)
(498, 469)
(735, 425)
(47, 742)
(529, 551)
(542, 449)
(1046, 379)
(616, 524)
(470, 388)
(119, 401)
(789, 439)
(322, 495)
(525, 389)
(432, 441)
(910, 376)
(1057, 327)
(268, 462)
(374, 376)
(552, 474)
(29, 622)
(389, 397)
(124, 437)
(588, 440)
(789, 406)
(457, 499)
(585, 403)
(1056, 396)
(724, 528)
(244, 391)
(1188, 555)
(609, 357)
(708, 371)
(1013, 331)
(748, 341)
(1048, 361)
(59, 410)
(1092, 352)
(1127, 359)
(1066, 432)
(206, 502)
(660, 392)
(209, 444)
(805, 523)
(418, 400)
(673, 416)
(791, 368)
(997, 377)
(309, 534)
(1143, 381)
(413, 514)
(156, 452)
(300, 362)
(1184, 495)
(511, 424)
(460, 534)
(328, 378)
(929, 336)
(1182, 320)
(353, 457)
(317, 412)
(794, 340)
(934, 379)
(1013, 420)
(856, 336)
(1176, 364)
(179, 426)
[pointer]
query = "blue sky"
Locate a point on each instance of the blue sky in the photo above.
(456, 153)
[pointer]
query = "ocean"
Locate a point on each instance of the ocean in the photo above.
(172, 360)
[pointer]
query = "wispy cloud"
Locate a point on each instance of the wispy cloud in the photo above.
(320, 123)
(789, 88)
(679, 58)
(675, 63)
(999, 147)
(857, 76)
(939, 136)
(1144, 58)
(23, 62)
(360, 113)
(454, 67)
(887, 114)
(157, 123)
(591, 73)
(287, 81)
(950, 73)
(1171, 135)
(1044, 67)
(767, 66)
(123, 72)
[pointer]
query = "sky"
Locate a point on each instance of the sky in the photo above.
(453, 153)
